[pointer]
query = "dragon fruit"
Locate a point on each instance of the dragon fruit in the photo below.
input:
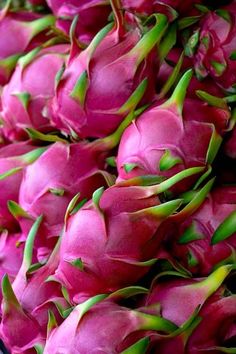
(35, 297)
(17, 30)
(98, 252)
(216, 331)
(128, 333)
(168, 293)
(13, 159)
(62, 172)
(208, 237)
(163, 142)
(214, 47)
(176, 58)
(93, 15)
(105, 82)
(11, 254)
(201, 296)
(27, 95)
(29, 335)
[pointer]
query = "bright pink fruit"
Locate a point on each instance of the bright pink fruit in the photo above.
(19, 331)
(26, 97)
(11, 255)
(216, 331)
(93, 15)
(111, 241)
(187, 302)
(169, 293)
(105, 82)
(208, 237)
(214, 50)
(17, 29)
(13, 159)
(47, 188)
(163, 142)
(115, 329)
(29, 300)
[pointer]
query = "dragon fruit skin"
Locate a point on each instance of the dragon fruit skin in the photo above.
(207, 84)
(35, 297)
(17, 31)
(14, 318)
(206, 238)
(216, 331)
(12, 161)
(27, 95)
(11, 255)
(93, 15)
(37, 2)
(215, 51)
(168, 293)
(172, 143)
(97, 316)
(105, 82)
(61, 172)
(101, 256)
(200, 296)
(35, 294)
(66, 171)
(72, 7)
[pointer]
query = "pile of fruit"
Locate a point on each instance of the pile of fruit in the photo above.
(118, 176)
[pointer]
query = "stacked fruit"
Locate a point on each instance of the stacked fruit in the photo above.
(118, 176)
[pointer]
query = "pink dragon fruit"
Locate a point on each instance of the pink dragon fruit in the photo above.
(105, 82)
(163, 142)
(195, 292)
(60, 173)
(14, 318)
(35, 298)
(176, 58)
(98, 250)
(27, 95)
(214, 52)
(216, 332)
(13, 158)
(17, 30)
(208, 237)
(11, 254)
(93, 15)
(200, 295)
(128, 333)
